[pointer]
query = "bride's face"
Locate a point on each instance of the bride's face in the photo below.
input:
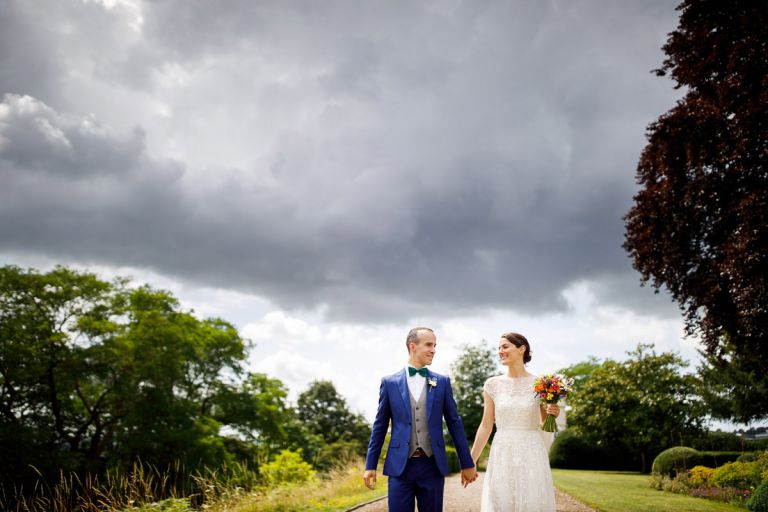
(509, 353)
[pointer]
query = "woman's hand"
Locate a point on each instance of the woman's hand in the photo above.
(553, 409)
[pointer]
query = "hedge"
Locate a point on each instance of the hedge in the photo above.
(674, 460)
(571, 451)
(682, 458)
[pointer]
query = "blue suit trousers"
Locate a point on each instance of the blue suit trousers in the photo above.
(421, 482)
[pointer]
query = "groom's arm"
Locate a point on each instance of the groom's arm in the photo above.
(456, 428)
(379, 431)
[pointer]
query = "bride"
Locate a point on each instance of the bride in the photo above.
(518, 478)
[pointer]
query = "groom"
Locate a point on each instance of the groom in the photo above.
(416, 400)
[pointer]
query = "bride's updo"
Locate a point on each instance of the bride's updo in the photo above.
(519, 340)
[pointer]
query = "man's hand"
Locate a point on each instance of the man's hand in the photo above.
(369, 477)
(468, 476)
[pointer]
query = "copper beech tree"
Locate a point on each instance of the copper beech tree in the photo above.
(699, 224)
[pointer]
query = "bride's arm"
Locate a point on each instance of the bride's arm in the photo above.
(485, 428)
(552, 409)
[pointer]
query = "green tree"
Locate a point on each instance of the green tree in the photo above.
(643, 405)
(96, 374)
(256, 408)
(475, 364)
(699, 225)
(325, 413)
(731, 385)
(581, 372)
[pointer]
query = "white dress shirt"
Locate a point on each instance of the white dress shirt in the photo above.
(416, 384)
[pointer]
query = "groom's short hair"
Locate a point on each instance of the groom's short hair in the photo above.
(413, 336)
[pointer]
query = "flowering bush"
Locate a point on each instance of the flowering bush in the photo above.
(700, 476)
(724, 494)
(741, 475)
(679, 485)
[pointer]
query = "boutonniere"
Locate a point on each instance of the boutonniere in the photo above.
(432, 382)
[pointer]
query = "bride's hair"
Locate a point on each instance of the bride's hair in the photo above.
(519, 340)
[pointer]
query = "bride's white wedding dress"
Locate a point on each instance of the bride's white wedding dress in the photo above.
(518, 478)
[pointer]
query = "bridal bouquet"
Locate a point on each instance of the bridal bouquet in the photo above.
(551, 388)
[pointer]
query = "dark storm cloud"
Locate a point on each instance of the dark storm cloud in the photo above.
(420, 157)
(27, 64)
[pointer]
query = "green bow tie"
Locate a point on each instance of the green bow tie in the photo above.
(413, 371)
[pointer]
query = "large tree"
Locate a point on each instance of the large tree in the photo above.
(581, 372)
(475, 364)
(96, 374)
(325, 413)
(642, 405)
(699, 225)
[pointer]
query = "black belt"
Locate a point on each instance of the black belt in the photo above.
(419, 453)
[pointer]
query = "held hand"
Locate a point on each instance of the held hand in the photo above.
(468, 476)
(369, 477)
(553, 409)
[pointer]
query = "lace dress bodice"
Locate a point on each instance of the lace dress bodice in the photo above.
(518, 478)
(515, 405)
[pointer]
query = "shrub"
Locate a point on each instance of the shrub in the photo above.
(762, 464)
(572, 451)
(656, 481)
(747, 457)
(680, 484)
(569, 451)
(717, 459)
(482, 463)
(742, 475)
(725, 495)
(675, 460)
(169, 505)
(454, 465)
(759, 500)
(287, 468)
(339, 454)
(700, 476)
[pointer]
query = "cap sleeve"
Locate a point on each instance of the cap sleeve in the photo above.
(489, 387)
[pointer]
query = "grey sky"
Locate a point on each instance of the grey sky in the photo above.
(385, 159)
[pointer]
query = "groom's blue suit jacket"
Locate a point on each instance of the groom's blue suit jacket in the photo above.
(395, 405)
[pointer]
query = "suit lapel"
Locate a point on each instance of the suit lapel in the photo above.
(402, 384)
(430, 393)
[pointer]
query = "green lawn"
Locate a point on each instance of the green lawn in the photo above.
(610, 491)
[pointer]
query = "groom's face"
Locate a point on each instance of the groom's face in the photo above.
(424, 350)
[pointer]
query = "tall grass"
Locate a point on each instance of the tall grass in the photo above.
(238, 488)
(336, 490)
(142, 485)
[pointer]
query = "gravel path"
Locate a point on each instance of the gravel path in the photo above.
(458, 499)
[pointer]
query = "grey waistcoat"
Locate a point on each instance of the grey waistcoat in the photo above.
(419, 431)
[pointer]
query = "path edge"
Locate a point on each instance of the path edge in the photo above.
(361, 505)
